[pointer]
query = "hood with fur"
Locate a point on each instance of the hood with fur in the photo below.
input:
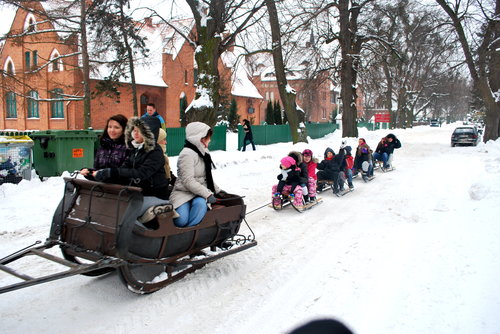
(297, 156)
(149, 138)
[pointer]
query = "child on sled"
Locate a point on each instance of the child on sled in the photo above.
(289, 179)
(329, 170)
(311, 164)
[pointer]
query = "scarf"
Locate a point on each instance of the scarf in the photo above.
(208, 165)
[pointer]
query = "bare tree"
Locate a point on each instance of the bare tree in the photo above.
(294, 115)
(481, 58)
(218, 23)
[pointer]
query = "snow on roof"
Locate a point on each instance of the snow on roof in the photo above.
(240, 81)
(147, 70)
(173, 40)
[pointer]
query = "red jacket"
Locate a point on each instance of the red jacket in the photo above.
(311, 169)
(349, 160)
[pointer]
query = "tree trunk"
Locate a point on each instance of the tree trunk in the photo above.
(295, 117)
(130, 56)
(350, 48)
(388, 95)
(87, 122)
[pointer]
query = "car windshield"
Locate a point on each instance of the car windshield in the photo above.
(464, 130)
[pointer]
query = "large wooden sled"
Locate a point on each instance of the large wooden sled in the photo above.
(96, 227)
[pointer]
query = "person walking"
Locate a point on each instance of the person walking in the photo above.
(248, 135)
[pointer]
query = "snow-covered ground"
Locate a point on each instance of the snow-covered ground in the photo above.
(414, 251)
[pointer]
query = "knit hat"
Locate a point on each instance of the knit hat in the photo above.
(162, 135)
(307, 152)
(348, 149)
(287, 162)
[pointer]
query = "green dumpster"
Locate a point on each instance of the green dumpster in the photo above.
(56, 151)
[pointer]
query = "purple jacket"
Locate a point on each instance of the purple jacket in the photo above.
(110, 154)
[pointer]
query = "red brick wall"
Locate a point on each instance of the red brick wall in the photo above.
(42, 81)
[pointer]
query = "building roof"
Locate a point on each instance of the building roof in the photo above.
(240, 81)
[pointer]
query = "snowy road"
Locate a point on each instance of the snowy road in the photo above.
(414, 251)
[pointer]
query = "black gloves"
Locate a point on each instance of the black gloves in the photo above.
(211, 199)
(105, 174)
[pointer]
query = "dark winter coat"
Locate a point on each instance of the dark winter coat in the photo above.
(292, 175)
(392, 145)
(248, 131)
(304, 173)
(145, 165)
(330, 167)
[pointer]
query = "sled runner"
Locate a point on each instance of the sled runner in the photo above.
(96, 227)
(380, 165)
(279, 202)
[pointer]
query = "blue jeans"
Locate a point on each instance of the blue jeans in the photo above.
(191, 213)
(348, 173)
(381, 157)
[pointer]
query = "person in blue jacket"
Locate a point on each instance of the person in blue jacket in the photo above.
(151, 111)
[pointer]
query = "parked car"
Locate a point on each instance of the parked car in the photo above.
(465, 135)
(435, 122)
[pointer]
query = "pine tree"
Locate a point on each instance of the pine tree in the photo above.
(183, 105)
(269, 113)
(277, 113)
(233, 117)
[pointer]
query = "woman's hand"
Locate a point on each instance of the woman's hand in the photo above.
(84, 171)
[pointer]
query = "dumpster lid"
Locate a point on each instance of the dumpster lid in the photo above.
(65, 134)
(15, 139)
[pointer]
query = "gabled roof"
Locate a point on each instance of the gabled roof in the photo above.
(240, 81)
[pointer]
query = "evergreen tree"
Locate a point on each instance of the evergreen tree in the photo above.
(233, 117)
(270, 113)
(183, 106)
(278, 120)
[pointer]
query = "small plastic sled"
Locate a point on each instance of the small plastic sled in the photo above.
(96, 227)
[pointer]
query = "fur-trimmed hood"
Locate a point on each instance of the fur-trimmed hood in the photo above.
(149, 138)
(297, 156)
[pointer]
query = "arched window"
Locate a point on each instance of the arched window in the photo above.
(9, 67)
(10, 103)
(33, 104)
(144, 102)
(57, 103)
(30, 23)
(56, 63)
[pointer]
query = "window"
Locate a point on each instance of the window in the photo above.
(323, 113)
(333, 97)
(33, 104)
(195, 75)
(30, 23)
(56, 63)
(9, 67)
(30, 60)
(272, 96)
(27, 61)
(10, 102)
(324, 95)
(57, 105)
(185, 77)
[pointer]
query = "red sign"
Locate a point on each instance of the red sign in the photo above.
(77, 153)
(382, 118)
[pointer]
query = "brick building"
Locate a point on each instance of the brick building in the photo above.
(42, 83)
